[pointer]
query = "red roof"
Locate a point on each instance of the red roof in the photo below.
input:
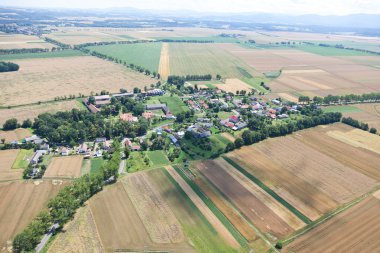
(233, 117)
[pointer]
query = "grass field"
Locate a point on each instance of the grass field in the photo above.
(216, 39)
(146, 55)
(175, 104)
(158, 158)
(23, 159)
(63, 53)
(330, 51)
(96, 164)
(205, 59)
(341, 108)
(44, 79)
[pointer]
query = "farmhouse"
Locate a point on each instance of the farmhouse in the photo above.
(199, 131)
(162, 107)
(128, 117)
(37, 156)
(82, 148)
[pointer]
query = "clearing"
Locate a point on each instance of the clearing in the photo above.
(64, 167)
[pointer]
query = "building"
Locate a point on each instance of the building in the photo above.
(102, 100)
(128, 117)
(234, 119)
(126, 95)
(148, 115)
(199, 131)
(239, 126)
(162, 107)
(101, 139)
(155, 92)
(173, 139)
(276, 102)
(64, 152)
(82, 148)
(37, 156)
(33, 139)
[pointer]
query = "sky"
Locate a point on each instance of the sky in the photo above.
(293, 7)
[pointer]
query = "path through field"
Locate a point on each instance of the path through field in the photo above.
(164, 67)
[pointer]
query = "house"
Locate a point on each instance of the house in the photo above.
(239, 126)
(148, 115)
(155, 92)
(283, 116)
(44, 146)
(128, 117)
(127, 142)
(169, 115)
(82, 148)
(234, 119)
(276, 101)
(101, 139)
(199, 131)
(64, 152)
(37, 156)
(173, 139)
(167, 129)
(33, 139)
(102, 100)
(136, 148)
(126, 95)
(162, 107)
(98, 153)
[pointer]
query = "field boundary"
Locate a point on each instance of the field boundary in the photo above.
(235, 233)
(268, 190)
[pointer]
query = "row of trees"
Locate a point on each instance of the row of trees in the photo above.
(104, 43)
(357, 124)
(8, 66)
(12, 124)
(341, 46)
(23, 51)
(180, 80)
(349, 98)
(63, 207)
(56, 42)
(186, 41)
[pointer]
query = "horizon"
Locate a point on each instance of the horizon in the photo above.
(282, 7)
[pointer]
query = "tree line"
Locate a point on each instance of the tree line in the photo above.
(63, 207)
(8, 66)
(186, 41)
(341, 46)
(336, 99)
(104, 43)
(264, 131)
(23, 51)
(56, 42)
(180, 80)
(357, 124)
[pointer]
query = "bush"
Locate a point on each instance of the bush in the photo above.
(10, 124)
(279, 245)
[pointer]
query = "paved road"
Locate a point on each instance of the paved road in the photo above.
(46, 238)
(122, 166)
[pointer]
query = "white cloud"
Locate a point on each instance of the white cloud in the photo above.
(338, 7)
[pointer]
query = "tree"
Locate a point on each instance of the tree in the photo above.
(10, 124)
(91, 100)
(127, 152)
(239, 142)
(27, 123)
(230, 146)
(218, 77)
(373, 130)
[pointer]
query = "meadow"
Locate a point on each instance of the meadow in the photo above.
(146, 55)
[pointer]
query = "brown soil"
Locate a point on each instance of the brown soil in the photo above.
(65, 167)
(7, 158)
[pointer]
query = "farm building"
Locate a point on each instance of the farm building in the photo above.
(126, 95)
(148, 115)
(162, 107)
(37, 156)
(199, 131)
(83, 148)
(128, 117)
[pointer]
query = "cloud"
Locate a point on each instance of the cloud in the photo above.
(337, 7)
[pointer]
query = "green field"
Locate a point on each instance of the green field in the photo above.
(158, 158)
(135, 162)
(225, 115)
(341, 108)
(330, 51)
(146, 55)
(64, 53)
(222, 139)
(23, 158)
(96, 164)
(175, 104)
(201, 59)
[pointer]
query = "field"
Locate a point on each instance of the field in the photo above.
(256, 205)
(96, 164)
(56, 54)
(64, 167)
(45, 79)
(19, 41)
(164, 66)
(233, 85)
(312, 171)
(308, 73)
(20, 203)
(158, 158)
(174, 225)
(7, 158)
(175, 104)
(23, 159)
(354, 230)
(146, 55)
(15, 135)
(32, 111)
(206, 59)
(80, 235)
(367, 113)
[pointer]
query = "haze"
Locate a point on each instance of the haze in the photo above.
(296, 7)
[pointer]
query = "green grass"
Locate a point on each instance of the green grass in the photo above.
(22, 158)
(330, 51)
(268, 190)
(239, 238)
(225, 115)
(158, 158)
(64, 53)
(175, 104)
(135, 162)
(341, 108)
(222, 139)
(146, 55)
(96, 164)
(255, 83)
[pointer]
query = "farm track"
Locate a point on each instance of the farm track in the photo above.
(164, 66)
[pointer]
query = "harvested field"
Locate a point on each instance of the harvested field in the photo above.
(288, 97)
(253, 203)
(20, 41)
(65, 167)
(164, 66)
(233, 85)
(354, 230)
(120, 226)
(79, 235)
(214, 221)
(158, 218)
(14, 135)
(312, 181)
(7, 158)
(358, 138)
(45, 79)
(368, 113)
(20, 203)
(231, 214)
(32, 111)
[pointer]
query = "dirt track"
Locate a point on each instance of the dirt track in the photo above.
(164, 67)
